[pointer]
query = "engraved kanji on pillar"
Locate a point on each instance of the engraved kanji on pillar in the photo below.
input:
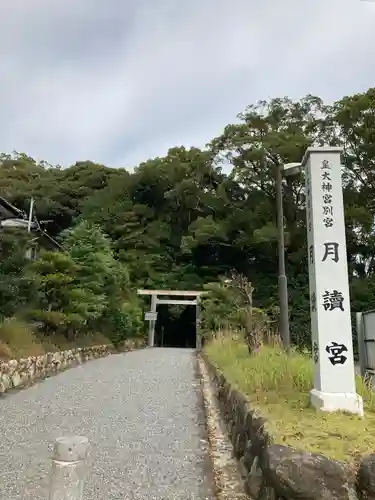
(331, 330)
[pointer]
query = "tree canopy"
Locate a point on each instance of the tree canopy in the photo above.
(190, 218)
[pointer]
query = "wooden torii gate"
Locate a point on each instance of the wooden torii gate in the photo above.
(192, 299)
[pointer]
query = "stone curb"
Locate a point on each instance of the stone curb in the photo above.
(275, 472)
(16, 374)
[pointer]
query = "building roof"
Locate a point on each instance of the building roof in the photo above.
(178, 293)
(10, 213)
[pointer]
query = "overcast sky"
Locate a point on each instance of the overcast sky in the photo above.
(120, 81)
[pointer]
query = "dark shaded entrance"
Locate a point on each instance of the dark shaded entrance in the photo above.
(186, 335)
(176, 326)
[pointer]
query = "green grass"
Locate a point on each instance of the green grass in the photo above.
(278, 385)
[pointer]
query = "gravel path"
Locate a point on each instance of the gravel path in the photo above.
(142, 413)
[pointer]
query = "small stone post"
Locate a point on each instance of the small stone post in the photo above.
(151, 334)
(198, 343)
(69, 468)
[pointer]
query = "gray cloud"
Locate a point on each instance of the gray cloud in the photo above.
(120, 81)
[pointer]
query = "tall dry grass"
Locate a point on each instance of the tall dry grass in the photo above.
(18, 339)
(278, 384)
(271, 369)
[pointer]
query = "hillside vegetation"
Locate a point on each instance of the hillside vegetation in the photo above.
(184, 221)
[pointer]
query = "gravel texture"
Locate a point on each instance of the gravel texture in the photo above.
(227, 477)
(142, 412)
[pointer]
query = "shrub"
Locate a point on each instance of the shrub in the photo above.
(229, 306)
(125, 322)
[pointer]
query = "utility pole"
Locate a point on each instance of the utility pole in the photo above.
(283, 283)
(30, 214)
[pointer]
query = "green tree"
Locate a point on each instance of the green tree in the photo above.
(16, 287)
(105, 280)
(179, 221)
(62, 306)
(90, 250)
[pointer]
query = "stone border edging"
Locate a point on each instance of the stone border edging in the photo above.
(227, 479)
(16, 374)
(275, 472)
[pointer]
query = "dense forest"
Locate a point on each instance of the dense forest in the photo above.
(187, 220)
